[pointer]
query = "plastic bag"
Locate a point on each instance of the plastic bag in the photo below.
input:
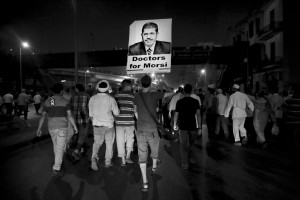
(275, 129)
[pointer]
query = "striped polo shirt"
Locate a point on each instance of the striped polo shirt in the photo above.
(125, 103)
(56, 108)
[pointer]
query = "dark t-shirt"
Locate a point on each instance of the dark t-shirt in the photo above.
(145, 119)
(187, 108)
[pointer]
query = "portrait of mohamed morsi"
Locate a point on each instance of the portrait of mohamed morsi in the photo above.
(150, 37)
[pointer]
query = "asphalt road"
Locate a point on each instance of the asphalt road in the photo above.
(221, 171)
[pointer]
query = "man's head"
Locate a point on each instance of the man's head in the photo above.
(57, 88)
(146, 81)
(149, 33)
(180, 90)
(219, 91)
(103, 86)
(126, 85)
(236, 87)
(79, 87)
(188, 89)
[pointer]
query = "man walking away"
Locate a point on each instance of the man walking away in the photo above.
(125, 122)
(186, 109)
(221, 104)
(102, 109)
(8, 102)
(79, 106)
(147, 134)
(23, 100)
(37, 99)
(238, 101)
(59, 112)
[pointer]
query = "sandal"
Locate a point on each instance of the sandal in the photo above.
(145, 187)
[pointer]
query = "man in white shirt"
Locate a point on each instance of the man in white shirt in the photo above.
(8, 102)
(102, 109)
(238, 101)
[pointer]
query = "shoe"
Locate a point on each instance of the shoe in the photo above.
(75, 156)
(145, 187)
(128, 160)
(94, 164)
(264, 145)
(108, 165)
(244, 140)
(185, 166)
(237, 144)
(57, 173)
(158, 163)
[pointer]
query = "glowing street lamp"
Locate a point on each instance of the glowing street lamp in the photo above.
(203, 72)
(23, 45)
(87, 71)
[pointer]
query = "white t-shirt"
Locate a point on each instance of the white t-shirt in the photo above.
(37, 99)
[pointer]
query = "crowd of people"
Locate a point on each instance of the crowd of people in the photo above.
(133, 116)
(14, 104)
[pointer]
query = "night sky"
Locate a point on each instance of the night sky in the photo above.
(48, 25)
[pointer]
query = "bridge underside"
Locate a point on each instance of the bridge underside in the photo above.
(180, 56)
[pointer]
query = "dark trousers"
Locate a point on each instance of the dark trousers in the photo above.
(186, 138)
(9, 108)
(221, 120)
(210, 121)
(251, 134)
(21, 109)
(37, 106)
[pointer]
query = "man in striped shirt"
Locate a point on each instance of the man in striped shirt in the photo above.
(125, 122)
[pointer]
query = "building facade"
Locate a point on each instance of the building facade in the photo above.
(270, 33)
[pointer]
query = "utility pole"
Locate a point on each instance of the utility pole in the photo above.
(76, 40)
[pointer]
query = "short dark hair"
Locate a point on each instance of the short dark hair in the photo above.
(80, 87)
(146, 81)
(180, 89)
(188, 89)
(150, 25)
(126, 82)
(57, 88)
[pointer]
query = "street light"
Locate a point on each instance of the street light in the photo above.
(23, 45)
(203, 72)
(87, 71)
